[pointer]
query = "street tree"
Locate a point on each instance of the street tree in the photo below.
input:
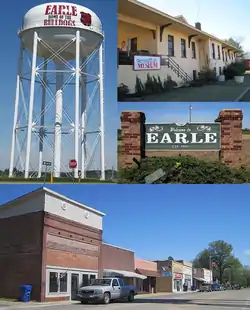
(220, 254)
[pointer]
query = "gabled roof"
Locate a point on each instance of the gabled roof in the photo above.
(135, 8)
(182, 19)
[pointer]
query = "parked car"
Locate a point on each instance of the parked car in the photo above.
(216, 287)
(206, 288)
(105, 290)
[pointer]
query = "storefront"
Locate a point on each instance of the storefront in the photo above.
(148, 269)
(64, 248)
(177, 282)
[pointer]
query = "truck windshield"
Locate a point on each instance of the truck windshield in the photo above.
(105, 282)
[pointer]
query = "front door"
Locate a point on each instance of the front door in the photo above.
(116, 290)
(178, 284)
(74, 285)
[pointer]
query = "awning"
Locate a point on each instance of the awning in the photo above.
(148, 273)
(122, 273)
(199, 279)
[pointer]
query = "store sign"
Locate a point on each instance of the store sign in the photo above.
(166, 273)
(65, 15)
(178, 276)
(194, 136)
(146, 63)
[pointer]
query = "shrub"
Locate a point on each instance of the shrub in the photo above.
(207, 75)
(234, 69)
(190, 171)
(122, 92)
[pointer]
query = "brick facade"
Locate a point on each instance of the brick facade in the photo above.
(132, 143)
(117, 258)
(25, 251)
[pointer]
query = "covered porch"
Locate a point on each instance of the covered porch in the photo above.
(147, 285)
(128, 277)
(197, 282)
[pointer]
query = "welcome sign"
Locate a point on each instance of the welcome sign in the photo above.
(194, 136)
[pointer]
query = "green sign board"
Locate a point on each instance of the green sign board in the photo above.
(192, 137)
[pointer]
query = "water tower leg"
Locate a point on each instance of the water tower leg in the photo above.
(77, 89)
(58, 117)
(31, 105)
(13, 142)
(41, 135)
(83, 125)
(101, 114)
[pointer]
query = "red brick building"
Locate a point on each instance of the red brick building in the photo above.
(50, 242)
(119, 262)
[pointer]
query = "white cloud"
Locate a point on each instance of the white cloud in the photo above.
(247, 252)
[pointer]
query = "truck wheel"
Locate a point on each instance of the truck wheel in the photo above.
(106, 299)
(131, 297)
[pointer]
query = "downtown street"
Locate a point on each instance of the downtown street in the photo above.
(231, 299)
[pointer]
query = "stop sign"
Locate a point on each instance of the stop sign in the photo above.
(72, 164)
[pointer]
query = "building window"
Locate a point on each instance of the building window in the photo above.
(53, 282)
(213, 51)
(193, 50)
(226, 56)
(58, 282)
(218, 47)
(215, 69)
(92, 278)
(220, 70)
(223, 55)
(194, 75)
(170, 45)
(85, 280)
(63, 281)
(183, 48)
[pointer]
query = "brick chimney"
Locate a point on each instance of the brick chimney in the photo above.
(198, 25)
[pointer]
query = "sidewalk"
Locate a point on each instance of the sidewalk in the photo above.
(32, 304)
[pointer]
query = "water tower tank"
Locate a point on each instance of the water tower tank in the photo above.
(56, 24)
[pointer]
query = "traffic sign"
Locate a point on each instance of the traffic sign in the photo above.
(47, 163)
(72, 164)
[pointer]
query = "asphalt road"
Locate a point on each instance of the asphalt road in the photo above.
(239, 300)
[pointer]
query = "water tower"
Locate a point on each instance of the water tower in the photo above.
(59, 44)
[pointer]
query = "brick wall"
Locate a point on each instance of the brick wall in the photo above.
(72, 245)
(132, 141)
(117, 258)
(21, 239)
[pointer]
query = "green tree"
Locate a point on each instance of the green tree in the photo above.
(234, 42)
(220, 253)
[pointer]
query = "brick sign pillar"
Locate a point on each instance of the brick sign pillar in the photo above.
(231, 136)
(132, 137)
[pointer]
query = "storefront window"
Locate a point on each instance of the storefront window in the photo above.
(53, 282)
(85, 279)
(58, 282)
(63, 278)
(92, 278)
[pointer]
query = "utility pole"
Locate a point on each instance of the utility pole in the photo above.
(190, 113)
(211, 269)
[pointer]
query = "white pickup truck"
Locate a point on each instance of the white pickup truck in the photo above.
(106, 289)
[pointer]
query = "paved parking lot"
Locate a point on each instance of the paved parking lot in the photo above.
(200, 301)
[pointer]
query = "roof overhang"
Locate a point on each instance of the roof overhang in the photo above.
(122, 273)
(135, 10)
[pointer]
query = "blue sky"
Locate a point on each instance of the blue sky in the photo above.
(218, 18)
(106, 10)
(158, 221)
(168, 112)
